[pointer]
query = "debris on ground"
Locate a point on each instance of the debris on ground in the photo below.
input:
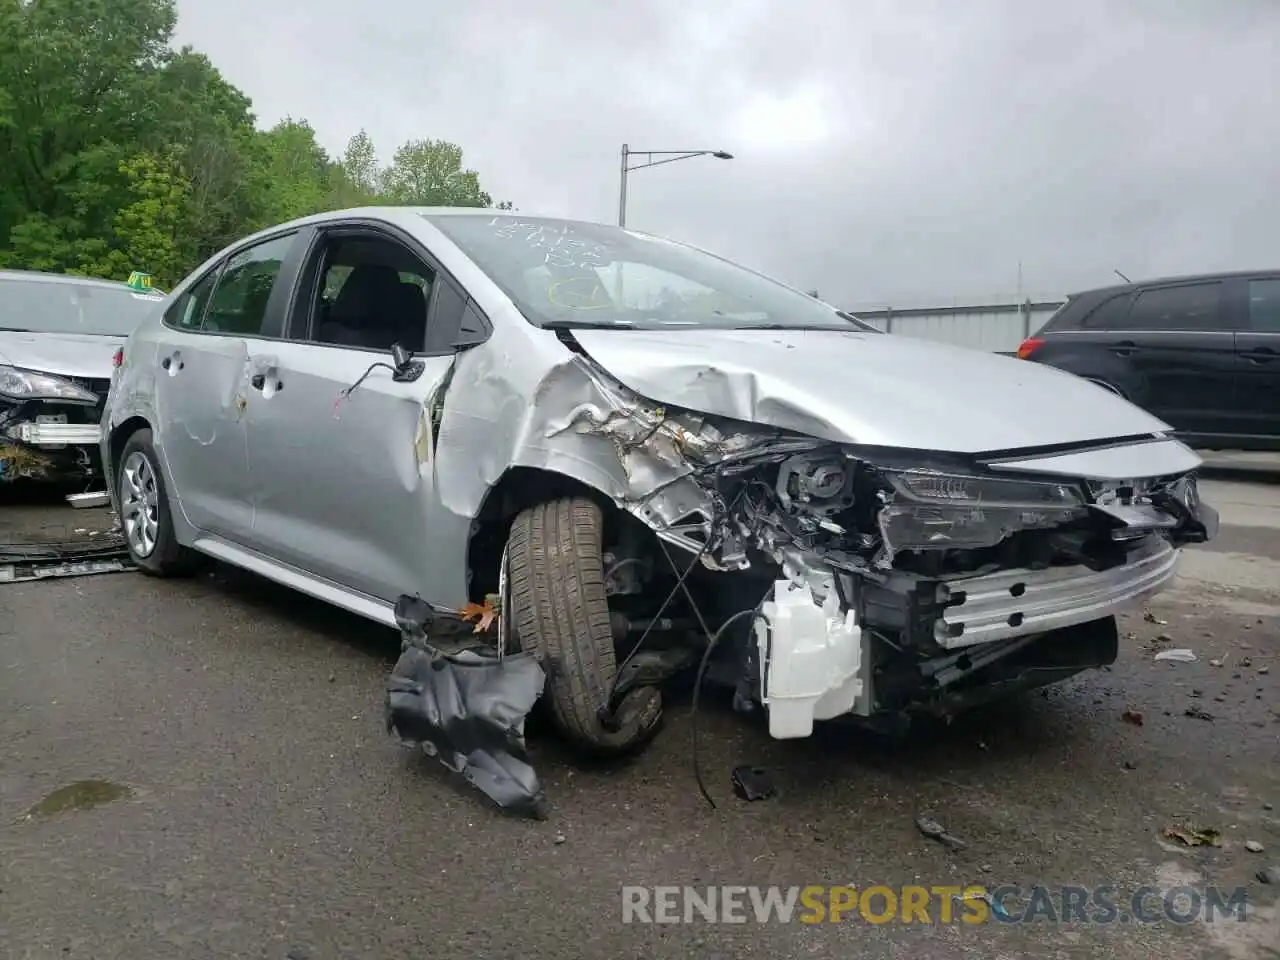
(1177, 655)
(1253, 846)
(56, 558)
(1150, 617)
(1269, 875)
(1132, 716)
(1215, 663)
(1131, 764)
(935, 831)
(996, 906)
(1164, 638)
(1193, 836)
(1197, 714)
(466, 706)
(752, 783)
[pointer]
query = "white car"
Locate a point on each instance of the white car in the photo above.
(611, 448)
(58, 337)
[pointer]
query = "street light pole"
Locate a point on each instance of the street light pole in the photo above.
(669, 156)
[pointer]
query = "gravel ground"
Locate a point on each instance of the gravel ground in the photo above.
(254, 807)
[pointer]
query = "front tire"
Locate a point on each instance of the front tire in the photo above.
(145, 517)
(555, 580)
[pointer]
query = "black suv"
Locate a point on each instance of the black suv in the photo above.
(1201, 353)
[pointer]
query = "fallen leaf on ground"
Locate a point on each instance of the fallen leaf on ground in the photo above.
(1132, 716)
(1194, 836)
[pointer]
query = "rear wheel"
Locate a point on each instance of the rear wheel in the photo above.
(559, 613)
(145, 517)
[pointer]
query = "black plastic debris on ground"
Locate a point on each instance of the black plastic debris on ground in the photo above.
(752, 783)
(466, 706)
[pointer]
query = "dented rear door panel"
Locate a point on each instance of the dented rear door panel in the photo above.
(342, 487)
(201, 384)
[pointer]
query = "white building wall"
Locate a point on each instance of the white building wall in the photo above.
(998, 327)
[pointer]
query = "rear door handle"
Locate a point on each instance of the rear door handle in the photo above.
(268, 384)
(1260, 355)
(1124, 348)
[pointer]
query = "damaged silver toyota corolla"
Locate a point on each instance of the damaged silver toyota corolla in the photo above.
(623, 457)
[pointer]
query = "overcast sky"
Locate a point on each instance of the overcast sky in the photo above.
(887, 151)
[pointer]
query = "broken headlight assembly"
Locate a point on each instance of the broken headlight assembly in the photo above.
(935, 510)
(19, 384)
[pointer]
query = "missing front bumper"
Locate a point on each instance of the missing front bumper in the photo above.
(1014, 603)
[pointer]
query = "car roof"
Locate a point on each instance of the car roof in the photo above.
(403, 216)
(1184, 278)
(39, 276)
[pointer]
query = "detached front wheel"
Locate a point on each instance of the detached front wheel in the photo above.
(559, 613)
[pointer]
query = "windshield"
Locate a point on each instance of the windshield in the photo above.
(568, 273)
(52, 306)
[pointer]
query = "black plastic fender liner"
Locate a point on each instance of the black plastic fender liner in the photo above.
(467, 709)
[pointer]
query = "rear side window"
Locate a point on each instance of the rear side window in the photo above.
(239, 302)
(187, 311)
(1111, 314)
(1192, 306)
(1264, 305)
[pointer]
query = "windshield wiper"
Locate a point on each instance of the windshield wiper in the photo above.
(15, 330)
(566, 324)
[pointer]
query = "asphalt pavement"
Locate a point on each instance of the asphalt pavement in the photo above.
(198, 768)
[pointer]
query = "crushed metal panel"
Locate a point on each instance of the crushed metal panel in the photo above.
(467, 709)
(19, 572)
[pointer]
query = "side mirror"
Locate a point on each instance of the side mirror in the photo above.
(407, 369)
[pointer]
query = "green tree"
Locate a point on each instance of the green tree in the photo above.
(118, 152)
(73, 90)
(295, 173)
(357, 177)
(429, 173)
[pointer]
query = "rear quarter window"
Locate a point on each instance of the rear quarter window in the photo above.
(1110, 314)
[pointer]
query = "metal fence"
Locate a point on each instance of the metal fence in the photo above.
(998, 327)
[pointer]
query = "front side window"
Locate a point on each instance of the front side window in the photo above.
(39, 305)
(566, 273)
(1264, 305)
(373, 293)
(1192, 306)
(239, 302)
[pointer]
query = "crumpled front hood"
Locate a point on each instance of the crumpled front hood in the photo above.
(63, 354)
(866, 388)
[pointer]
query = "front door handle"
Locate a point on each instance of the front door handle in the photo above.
(1124, 348)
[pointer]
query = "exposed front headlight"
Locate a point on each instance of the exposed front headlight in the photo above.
(19, 384)
(927, 486)
(933, 510)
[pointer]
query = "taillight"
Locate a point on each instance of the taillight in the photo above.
(1029, 346)
(118, 359)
